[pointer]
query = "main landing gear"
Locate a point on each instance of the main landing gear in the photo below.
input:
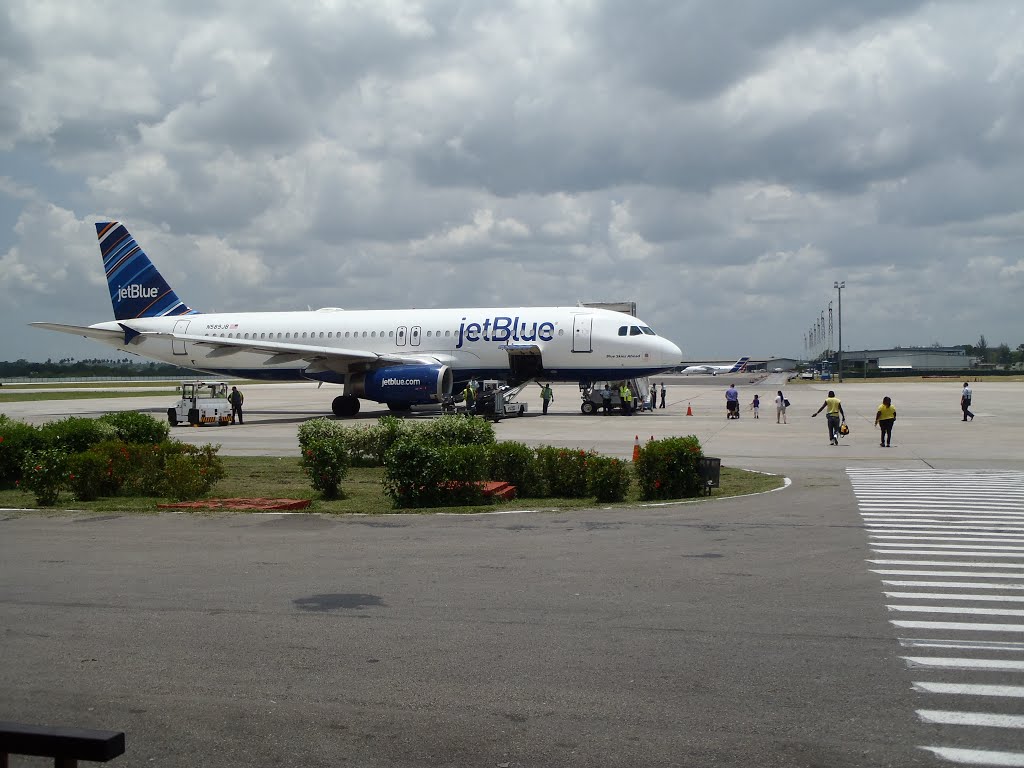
(345, 406)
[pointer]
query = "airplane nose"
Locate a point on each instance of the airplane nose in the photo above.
(671, 354)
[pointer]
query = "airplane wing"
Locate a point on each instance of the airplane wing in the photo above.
(285, 352)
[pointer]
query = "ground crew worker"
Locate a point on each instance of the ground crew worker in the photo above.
(236, 398)
(606, 399)
(470, 394)
(627, 400)
(546, 396)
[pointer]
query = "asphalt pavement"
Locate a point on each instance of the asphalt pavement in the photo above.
(735, 632)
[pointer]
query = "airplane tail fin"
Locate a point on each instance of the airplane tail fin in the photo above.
(740, 365)
(137, 289)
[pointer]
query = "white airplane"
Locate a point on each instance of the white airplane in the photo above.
(714, 370)
(401, 357)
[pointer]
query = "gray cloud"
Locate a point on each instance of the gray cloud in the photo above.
(719, 164)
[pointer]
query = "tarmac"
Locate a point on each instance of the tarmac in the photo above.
(928, 431)
(735, 632)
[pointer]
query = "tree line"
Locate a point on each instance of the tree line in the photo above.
(69, 367)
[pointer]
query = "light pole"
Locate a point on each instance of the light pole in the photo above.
(839, 285)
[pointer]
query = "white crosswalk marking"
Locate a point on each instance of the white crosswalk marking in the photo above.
(950, 544)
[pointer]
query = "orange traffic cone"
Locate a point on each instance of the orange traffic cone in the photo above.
(636, 447)
(689, 410)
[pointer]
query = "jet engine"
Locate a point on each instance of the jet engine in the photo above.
(406, 384)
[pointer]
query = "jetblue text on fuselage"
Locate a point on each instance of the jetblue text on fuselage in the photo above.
(136, 291)
(501, 328)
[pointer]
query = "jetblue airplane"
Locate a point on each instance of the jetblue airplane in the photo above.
(400, 357)
(714, 370)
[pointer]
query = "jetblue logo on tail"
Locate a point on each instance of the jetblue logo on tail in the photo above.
(135, 291)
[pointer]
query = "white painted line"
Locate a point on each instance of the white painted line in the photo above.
(967, 645)
(952, 584)
(957, 553)
(947, 563)
(960, 689)
(910, 524)
(979, 757)
(992, 538)
(940, 517)
(983, 719)
(936, 662)
(969, 574)
(945, 596)
(961, 626)
(979, 547)
(957, 609)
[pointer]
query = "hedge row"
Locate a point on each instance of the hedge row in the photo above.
(117, 454)
(439, 463)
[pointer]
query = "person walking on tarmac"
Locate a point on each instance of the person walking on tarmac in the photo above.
(470, 394)
(626, 394)
(235, 398)
(546, 397)
(663, 394)
(835, 411)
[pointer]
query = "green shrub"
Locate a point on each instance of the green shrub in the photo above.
(564, 471)
(119, 464)
(133, 427)
(76, 434)
(516, 463)
(608, 479)
(87, 475)
(325, 461)
(420, 475)
(144, 472)
(43, 473)
(318, 429)
(192, 472)
(16, 440)
(668, 469)
(454, 430)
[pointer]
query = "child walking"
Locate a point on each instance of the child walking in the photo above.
(755, 406)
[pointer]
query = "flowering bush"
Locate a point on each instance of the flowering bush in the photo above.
(325, 461)
(88, 475)
(192, 472)
(43, 473)
(516, 463)
(608, 479)
(16, 440)
(564, 471)
(669, 468)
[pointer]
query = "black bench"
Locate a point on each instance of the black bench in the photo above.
(710, 471)
(65, 745)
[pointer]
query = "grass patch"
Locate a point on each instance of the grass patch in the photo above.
(282, 477)
(21, 397)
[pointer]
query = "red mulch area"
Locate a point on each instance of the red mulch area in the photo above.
(490, 488)
(251, 504)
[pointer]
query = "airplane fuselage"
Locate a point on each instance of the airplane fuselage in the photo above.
(575, 343)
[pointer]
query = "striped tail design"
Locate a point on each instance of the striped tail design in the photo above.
(137, 289)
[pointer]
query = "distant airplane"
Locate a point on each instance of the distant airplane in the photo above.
(714, 370)
(401, 357)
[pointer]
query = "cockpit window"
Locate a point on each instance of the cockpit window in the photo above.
(634, 330)
(647, 331)
(622, 330)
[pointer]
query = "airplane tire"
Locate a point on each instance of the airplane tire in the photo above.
(345, 406)
(399, 407)
(588, 408)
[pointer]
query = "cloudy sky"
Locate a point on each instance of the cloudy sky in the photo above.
(719, 163)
